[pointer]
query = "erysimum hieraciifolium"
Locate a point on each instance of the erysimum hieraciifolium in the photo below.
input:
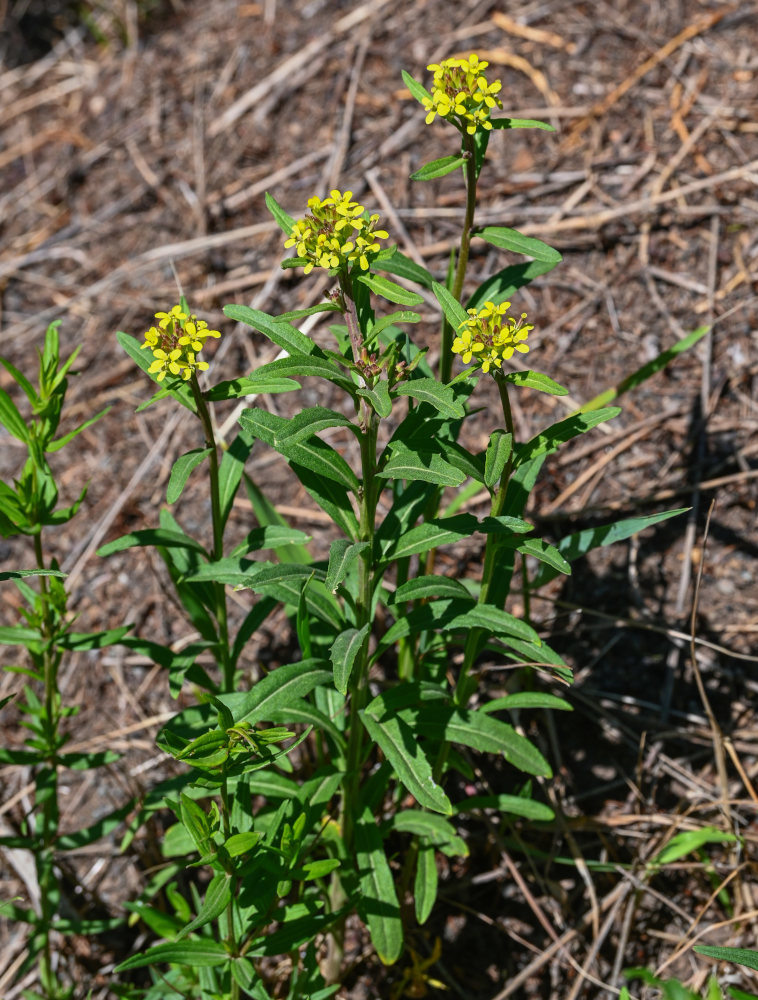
(490, 336)
(462, 94)
(175, 343)
(336, 233)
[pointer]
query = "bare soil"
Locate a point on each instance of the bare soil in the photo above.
(134, 164)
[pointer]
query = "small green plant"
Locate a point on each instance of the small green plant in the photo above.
(30, 507)
(325, 789)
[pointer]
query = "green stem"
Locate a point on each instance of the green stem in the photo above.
(466, 686)
(217, 552)
(231, 938)
(446, 359)
(47, 822)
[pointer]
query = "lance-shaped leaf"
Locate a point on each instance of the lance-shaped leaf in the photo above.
(281, 333)
(431, 534)
(342, 555)
(521, 123)
(543, 551)
(454, 312)
(503, 284)
(379, 397)
(512, 239)
(480, 732)
(535, 380)
(181, 469)
(285, 222)
(438, 168)
(343, 653)
(549, 440)
(11, 418)
(429, 390)
(301, 366)
(217, 897)
(417, 90)
(498, 452)
(430, 588)
(425, 883)
(575, 546)
(252, 385)
(512, 804)
(201, 954)
(285, 684)
(272, 536)
(433, 829)
(404, 267)
(377, 904)
(307, 423)
(389, 289)
(399, 745)
(420, 464)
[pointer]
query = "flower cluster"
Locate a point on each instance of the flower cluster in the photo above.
(491, 336)
(336, 233)
(461, 91)
(175, 343)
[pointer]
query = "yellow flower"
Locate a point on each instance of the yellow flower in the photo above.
(489, 336)
(175, 342)
(461, 93)
(336, 234)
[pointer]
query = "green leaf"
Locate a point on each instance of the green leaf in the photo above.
(272, 536)
(643, 373)
(421, 465)
(63, 441)
(689, 841)
(217, 897)
(535, 380)
(417, 90)
(404, 267)
(398, 743)
(342, 555)
(739, 956)
(438, 168)
(201, 954)
(252, 385)
(429, 390)
(285, 222)
(282, 334)
(313, 454)
(389, 289)
(430, 588)
(11, 418)
(17, 574)
(433, 829)
(181, 470)
(425, 883)
(377, 902)
(314, 366)
(230, 471)
(344, 650)
(511, 239)
(158, 537)
(549, 440)
(285, 684)
(480, 732)
(307, 423)
(321, 307)
(544, 552)
(575, 546)
(503, 284)
(379, 397)
(431, 534)
(454, 312)
(526, 699)
(514, 805)
(498, 452)
(521, 123)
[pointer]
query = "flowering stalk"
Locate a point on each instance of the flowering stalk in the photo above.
(462, 96)
(175, 342)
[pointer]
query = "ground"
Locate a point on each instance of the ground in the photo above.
(135, 155)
